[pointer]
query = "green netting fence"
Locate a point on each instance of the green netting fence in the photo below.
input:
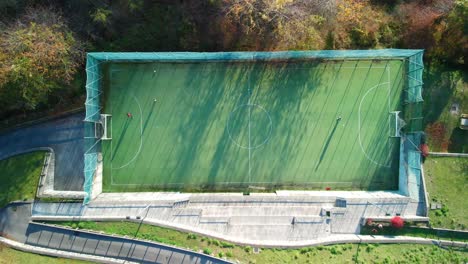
(412, 91)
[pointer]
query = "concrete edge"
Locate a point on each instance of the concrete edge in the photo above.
(447, 154)
(333, 239)
(42, 119)
(25, 151)
(45, 186)
(423, 179)
(171, 247)
(58, 253)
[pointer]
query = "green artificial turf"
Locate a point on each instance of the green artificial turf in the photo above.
(19, 176)
(228, 126)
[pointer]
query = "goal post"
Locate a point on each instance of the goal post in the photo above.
(396, 124)
(106, 126)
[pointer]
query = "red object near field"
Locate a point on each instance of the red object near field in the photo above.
(397, 222)
(327, 188)
(424, 150)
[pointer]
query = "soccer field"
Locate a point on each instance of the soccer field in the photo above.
(300, 124)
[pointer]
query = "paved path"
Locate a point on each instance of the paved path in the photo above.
(64, 135)
(15, 225)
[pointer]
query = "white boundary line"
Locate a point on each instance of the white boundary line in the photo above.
(246, 183)
(141, 139)
(359, 125)
(250, 182)
(250, 115)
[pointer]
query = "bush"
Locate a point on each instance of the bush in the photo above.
(215, 242)
(369, 248)
(81, 225)
(226, 245)
(444, 210)
(335, 251)
(229, 254)
(207, 251)
(248, 249)
(220, 254)
(192, 236)
(437, 136)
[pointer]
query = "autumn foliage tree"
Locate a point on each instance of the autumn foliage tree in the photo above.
(451, 34)
(280, 24)
(38, 54)
(437, 135)
(361, 25)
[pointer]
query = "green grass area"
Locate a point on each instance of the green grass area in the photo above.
(19, 177)
(244, 254)
(224, 126)
(416, 232)
(447, 182)
(13, 256)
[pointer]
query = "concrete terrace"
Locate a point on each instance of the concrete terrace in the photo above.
(283, 219)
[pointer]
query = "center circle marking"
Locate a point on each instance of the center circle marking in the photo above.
(236, 127)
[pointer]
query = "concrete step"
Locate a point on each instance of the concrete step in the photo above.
(262, 210)
(261, 220)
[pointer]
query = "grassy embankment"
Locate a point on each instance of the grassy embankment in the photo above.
(447, 182)
(19, 177)
(322, 254)
(13, 256)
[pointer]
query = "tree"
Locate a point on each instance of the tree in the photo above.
(38, 54)
(451, 34)
(280, 24)
(360, 25)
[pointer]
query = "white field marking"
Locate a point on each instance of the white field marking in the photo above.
(250, 113)
(359, 126)
(266, 141)
(141, 138)
(269, 132)
(389, 89)
(227, 183)
(349, 67)
(389, 93)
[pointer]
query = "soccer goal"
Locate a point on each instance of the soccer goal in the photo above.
(396, 124)
(105, 127)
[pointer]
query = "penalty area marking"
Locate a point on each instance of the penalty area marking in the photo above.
(141, 139)
(359, 126)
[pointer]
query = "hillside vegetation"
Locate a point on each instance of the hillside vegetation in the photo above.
(42, 43)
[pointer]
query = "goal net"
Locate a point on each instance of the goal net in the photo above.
(105, 128)
(396, 124)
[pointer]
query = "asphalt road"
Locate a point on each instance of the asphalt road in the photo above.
(14, 224)
(64, 136)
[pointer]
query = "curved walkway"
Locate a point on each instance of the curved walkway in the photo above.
(64, 135)
(64, 242)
